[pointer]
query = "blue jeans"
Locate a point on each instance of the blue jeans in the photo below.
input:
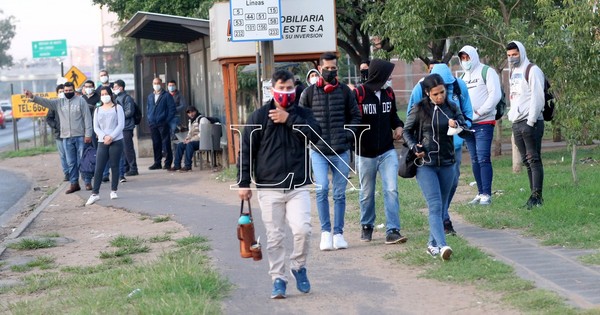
(480, 148)
(457, 159)
(387, 166)
(340, 167)
(73, 152)
(187, 148)
(435, 183)
(60, 146)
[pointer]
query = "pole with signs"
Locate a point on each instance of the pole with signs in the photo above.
(15, 129)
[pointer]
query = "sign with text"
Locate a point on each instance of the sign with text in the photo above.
(23, 108)
(307, 26)
(49, 48)
(255, 20)
(75, 76)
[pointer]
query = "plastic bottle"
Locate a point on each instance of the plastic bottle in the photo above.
(244, 219)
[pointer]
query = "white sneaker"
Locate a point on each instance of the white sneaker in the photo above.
(475, 200)
(113, 195)
(433, 250)
(93, 198)
(339, 242)
(326, 241)
(485, 200)
(446, 252)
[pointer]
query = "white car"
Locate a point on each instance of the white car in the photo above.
(7, 109)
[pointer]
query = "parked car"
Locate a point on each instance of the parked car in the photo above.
(7, 109)
(2, 124)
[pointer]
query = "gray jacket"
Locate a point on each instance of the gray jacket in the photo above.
(128, 104)
(73, 114)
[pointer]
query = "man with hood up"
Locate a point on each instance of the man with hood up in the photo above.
(376, 152)
(485, 92)
(462, 99)
(526, 106)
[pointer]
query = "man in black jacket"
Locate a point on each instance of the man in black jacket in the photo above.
(129, 108)
(376, 151)
(274, 150)
(334, 107)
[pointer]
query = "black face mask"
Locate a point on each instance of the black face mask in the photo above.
(364, 75)
(69, 95)
(329, 75)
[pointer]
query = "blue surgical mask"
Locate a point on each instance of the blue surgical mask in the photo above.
(171, 88)
(466, 65)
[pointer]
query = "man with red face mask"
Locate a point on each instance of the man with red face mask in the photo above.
(274, 150)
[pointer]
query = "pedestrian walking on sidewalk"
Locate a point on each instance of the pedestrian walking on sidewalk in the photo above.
(273, 156)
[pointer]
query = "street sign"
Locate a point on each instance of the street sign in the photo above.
(255, 20)
(49, 48)
(23, 108)
(75, 76)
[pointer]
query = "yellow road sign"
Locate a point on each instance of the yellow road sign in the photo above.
(76, 76)
(23, 108)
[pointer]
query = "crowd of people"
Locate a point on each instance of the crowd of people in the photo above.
(329, 120)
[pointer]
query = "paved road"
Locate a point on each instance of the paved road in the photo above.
(13, 187)
(25, 131)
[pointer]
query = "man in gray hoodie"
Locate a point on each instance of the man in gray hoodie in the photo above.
(75, 127)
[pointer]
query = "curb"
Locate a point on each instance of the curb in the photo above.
(17, 232)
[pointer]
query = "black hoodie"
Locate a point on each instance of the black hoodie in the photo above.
(378, 112)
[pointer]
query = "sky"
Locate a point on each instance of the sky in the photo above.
(77, 21)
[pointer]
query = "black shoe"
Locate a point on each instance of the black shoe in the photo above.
(166, 167)
(155, 167)
(122, 180)
(394, 237)
(448, 228)
(132, 173)
(535, 200)
(185, 169)
(105, 179)
(367, 233)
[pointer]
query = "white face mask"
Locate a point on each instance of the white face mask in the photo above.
(116, 92)
(387, 84)
(61, 95)
(104, 79)
(89, 91)
(313, 80)
(156, 87)
(466, 65)
(105, 99)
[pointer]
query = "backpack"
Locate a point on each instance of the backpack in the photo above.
(360, 96)
(548, 111)
(88, 160)
(501, 106)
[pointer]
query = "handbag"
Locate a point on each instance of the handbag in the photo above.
(407, 168)
(245, 231)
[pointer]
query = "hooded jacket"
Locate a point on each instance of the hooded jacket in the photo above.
(484, 93)
(464, 103)
(308, 75)
(526, 96)
(379, 112)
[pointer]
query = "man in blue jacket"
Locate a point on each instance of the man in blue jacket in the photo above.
(462, 99)
(160, 111)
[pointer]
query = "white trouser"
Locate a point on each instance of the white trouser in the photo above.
(277, 206)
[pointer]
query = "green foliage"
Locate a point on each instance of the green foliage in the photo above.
(27, 152)
(161, 218)
(27, 244)
(7, 32)
(42, 262)
(125, 9)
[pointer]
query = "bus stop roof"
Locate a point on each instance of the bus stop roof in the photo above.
(166, 28)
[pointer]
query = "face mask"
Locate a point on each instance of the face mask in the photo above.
(454, 131)
(329, 75)
(387, 84)
(116, 92)
(89, 91)
(466, 65)
(156, 87)
(61, 95)
(364, 75)
(313, 80)
(69, 95)
(514, 61)
(284, 98)
(105, 99)
(104, 79)
(172, 88)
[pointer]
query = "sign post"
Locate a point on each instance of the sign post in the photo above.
(49, 48)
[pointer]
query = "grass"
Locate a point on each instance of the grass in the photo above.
(42, 262)
(591, 259)
(160, 238)
(28, 244)
(126, 246)
(28, 152)
(161, 218)
(50, 234)
(179, 282)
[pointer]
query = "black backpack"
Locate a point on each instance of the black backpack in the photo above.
(548, 112)
(137, 116)
(501, 106)
(88, 160)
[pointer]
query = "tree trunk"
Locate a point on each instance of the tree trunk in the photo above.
(556, 134)
(498, 139)
(573, 163)
(516, 157)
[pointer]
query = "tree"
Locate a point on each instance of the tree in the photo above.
(7, 32)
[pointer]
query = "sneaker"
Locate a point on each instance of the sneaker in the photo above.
(475, 200)
(302, 283)
(446, 252)
(93, 198)
(122, 180)
(278, 289)
(448, 228)
(88, 186)
(485, 200)
(367, 233)
(132, 173)
(339, 242)
(433, 250)
(113, 195)
(155, 167)
(326, 242)
(394, 237)
(105, 179)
